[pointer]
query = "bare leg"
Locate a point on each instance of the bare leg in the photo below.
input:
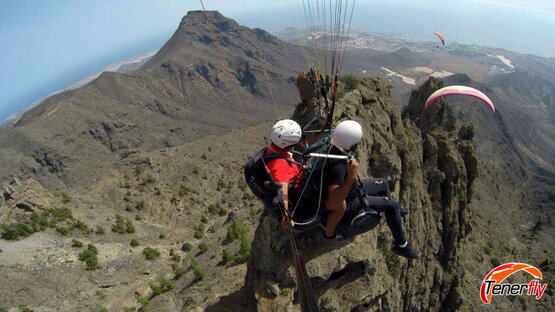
(333, 219)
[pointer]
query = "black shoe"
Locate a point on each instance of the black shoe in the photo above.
(336, 237)
(407, 251)
(404, 212)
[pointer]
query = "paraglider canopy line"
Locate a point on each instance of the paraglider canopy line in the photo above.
(326, 25)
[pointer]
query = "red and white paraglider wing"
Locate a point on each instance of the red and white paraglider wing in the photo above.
(459, 90)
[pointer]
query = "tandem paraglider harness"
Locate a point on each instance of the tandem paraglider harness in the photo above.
(259, 180)
(312, 213)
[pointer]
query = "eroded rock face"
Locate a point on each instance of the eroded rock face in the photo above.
(19, 198)
(430, 167)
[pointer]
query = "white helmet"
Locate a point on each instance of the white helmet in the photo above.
(347, 134)
(285, 133)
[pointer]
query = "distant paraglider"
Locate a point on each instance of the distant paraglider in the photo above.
(459, 90)
(440, 36)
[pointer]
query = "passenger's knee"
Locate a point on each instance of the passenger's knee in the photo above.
(393, 203)
(339, 209)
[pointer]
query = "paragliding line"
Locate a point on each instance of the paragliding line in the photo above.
(308, 300)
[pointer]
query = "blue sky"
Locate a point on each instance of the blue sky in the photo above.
(46, 45)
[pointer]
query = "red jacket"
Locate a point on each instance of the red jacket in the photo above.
(281, 170)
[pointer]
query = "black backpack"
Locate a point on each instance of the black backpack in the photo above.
(257, 176)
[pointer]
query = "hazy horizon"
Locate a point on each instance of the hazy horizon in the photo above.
(38, 61)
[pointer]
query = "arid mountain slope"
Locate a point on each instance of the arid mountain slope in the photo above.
(193, 87)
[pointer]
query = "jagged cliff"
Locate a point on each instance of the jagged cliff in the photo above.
(431, 164)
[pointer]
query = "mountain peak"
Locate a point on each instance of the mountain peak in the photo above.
(199, 18)
(208, 35)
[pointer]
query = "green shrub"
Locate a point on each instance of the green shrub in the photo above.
(140, 205)
(245, 247)
(138, 170)
(59, 215)
(125, 184)
(76, 243)
(199, 231)
(150, 253)
(147, 180)
(242, 185)
(184, 190)
(347, 83)
(138, 218)
(81, 226)
(236, 230)
(24, 308)
(227, 256)
(162, 236)
(65, 198)
(175, 257)
(63, 230)
(134, 243)
(204, 157)
(16, 231)
(163, 286)
(122, 225)
(213, 208)
(217, 209)
(101, 309)
(197, 269)
(178, 270)
(40, 219)
(89, 256)
(203, 247)
(99, 230)
(143, 301)
(487, 250)
(186, 247)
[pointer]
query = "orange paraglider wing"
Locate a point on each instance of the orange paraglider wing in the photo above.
(440, 36)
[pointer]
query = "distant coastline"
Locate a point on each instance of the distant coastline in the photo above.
(121, 67)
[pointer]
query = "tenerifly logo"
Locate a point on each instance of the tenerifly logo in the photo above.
(492, 282)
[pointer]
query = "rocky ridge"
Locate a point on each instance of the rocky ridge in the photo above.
(429, 171)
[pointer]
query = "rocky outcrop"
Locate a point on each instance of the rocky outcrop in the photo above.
(430, 164)
(19, 198)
